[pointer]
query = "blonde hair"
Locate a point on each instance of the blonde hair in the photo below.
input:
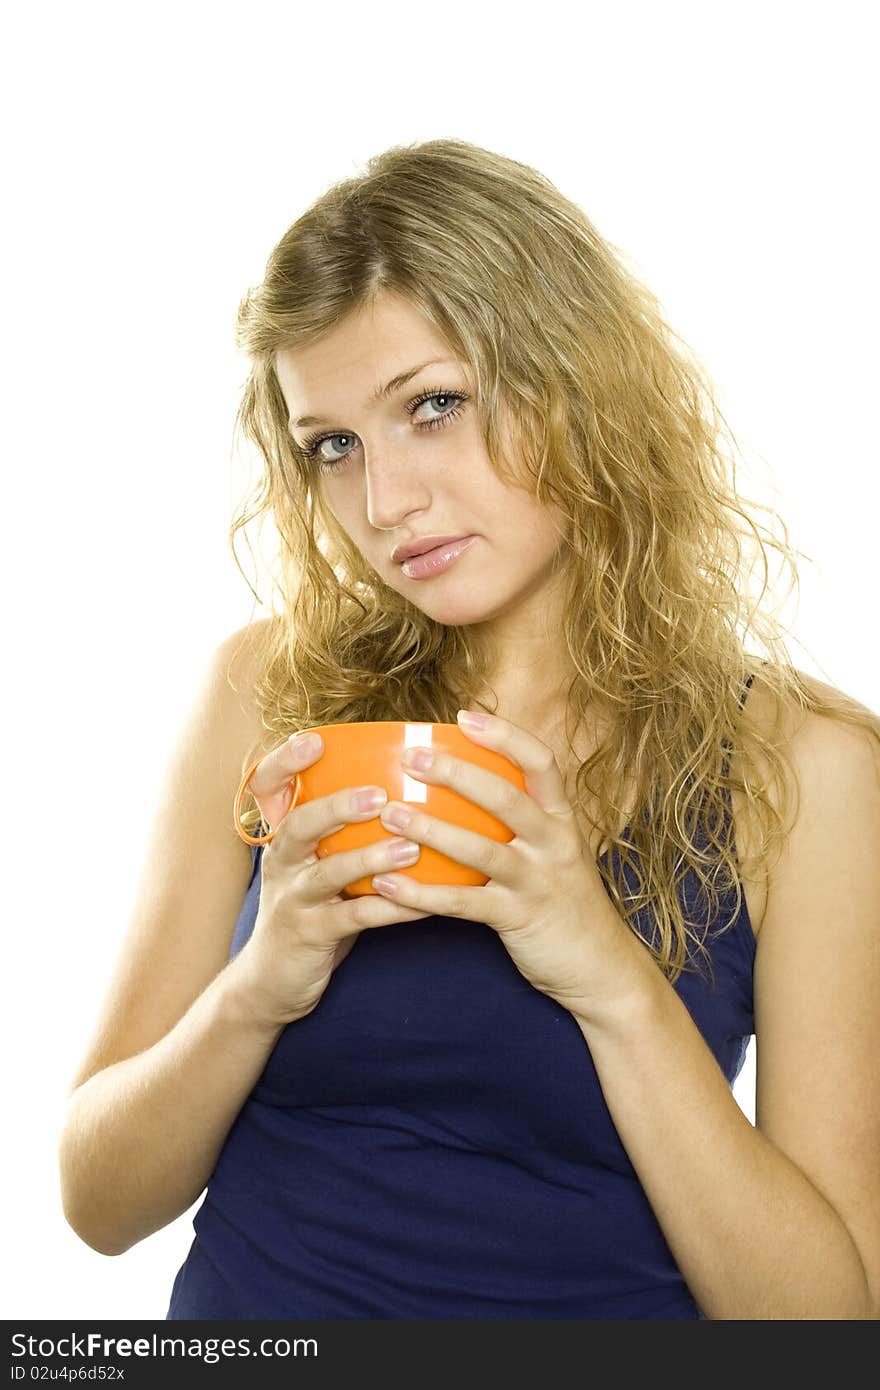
(616, 424)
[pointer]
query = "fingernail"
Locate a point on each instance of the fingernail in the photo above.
(402, 851)
(368, 799)
(472, 720)
(385, 885)
(306, 743)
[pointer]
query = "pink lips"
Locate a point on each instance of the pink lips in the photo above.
(437, 560)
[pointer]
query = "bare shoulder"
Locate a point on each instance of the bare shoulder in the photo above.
(817, 747)
(836, 768)
(242, 652)
(246, 644)
(224, 729)
(821, 748)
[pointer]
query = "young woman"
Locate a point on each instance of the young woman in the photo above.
(511, 1101)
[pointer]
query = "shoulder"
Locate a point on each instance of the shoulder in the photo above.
(831, 759)
(244, 649)
(236, 662)
(836, 765)
(818, 752)
(823, 888)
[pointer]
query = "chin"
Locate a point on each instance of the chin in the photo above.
(457, 610)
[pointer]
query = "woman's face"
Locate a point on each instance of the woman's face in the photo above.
(392, 473)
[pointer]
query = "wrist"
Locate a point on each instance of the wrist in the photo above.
(621, 985)
(244, 1002)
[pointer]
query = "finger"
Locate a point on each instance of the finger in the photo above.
(442, 900)
(515, 808)
(302, 830)
(271, 782)
(490, 857)
(400, 914)
(274, 773)
(324, 877)
(354, 915)
(544, 783)
(371, 910)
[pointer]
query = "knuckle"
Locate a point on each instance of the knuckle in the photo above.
(313, 876)
(491, 858)
(362, 911)
(568, 846)
(258, 782)
(451, 771)
(373, 856)
(285, 831)
(547, 760)
(511, 796)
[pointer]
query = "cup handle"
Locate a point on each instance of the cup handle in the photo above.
(236, 810)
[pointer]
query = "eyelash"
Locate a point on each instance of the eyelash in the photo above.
(310, 446)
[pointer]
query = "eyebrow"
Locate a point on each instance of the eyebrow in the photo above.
(382, 393)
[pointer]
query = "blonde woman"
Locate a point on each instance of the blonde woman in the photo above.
(511, 1101)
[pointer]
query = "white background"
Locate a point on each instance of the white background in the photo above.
(153, 156)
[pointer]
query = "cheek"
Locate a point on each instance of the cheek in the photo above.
(339, 518)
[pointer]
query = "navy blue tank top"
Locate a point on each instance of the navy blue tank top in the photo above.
(432, 1141)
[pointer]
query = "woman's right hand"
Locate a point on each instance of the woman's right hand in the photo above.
(304, 927)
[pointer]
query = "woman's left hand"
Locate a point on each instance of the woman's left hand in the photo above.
(544, 896)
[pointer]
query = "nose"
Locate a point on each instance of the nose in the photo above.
(394, 490)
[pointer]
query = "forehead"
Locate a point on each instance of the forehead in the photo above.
(355, 360)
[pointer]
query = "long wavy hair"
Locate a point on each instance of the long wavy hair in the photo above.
(616, 423)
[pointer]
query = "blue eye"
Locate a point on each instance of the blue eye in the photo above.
(309, 448)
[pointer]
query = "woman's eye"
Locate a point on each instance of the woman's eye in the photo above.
(450, 403)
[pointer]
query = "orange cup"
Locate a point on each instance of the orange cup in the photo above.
(370, 753)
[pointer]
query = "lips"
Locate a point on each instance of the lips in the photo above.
(420, 547)
(437, 560)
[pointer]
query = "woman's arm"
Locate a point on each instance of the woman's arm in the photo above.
(142, 1137)
(781, 1220)
(174, 1051)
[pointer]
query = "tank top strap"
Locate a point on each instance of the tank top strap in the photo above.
(727, 747)
(256, 861)
(745, 690)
